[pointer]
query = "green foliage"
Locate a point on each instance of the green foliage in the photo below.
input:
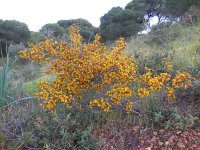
(178, 42)
(177, 8)
(160, 37)
(120, 22)
(64, 130)
(10, 90)
(36, 37)
(52, 31)
(12, 31)
(170, 9)
(31, 86)
(192, 16)
(86, 29)
(149, 8)
(4, 81)
(171, 118)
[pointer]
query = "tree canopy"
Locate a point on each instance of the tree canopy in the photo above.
(87, 30)
(12, 31)
(120, 22)
(52, 30)
(177, 8)
(170, 9)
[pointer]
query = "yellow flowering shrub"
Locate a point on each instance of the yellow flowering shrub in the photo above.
(170, 94)
(143, 92)
(79, 68)
(182, 80)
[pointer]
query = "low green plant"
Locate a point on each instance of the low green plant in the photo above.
(171, 118)
(4, 81)
(35, 128)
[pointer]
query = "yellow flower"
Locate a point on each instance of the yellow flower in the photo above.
(182, 80)
(143, 92)
(170, 94)
(129, 106)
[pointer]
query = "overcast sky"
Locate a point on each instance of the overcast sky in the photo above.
(36, 13)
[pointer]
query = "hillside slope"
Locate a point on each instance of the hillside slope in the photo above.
(181, 44)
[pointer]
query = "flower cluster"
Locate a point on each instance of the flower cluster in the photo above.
(143, 92)
(129, 106)
(182, 80)
(170, 94)
(163, 82)
(102, 103)
(118, 93)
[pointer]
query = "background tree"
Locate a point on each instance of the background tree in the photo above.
(52, 31)
(177, 8)
(170, 9)
(120, 22)
(13, 32)
(87, 30)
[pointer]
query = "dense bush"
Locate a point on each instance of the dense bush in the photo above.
(27, 126)
(192, 16)
(91, 75)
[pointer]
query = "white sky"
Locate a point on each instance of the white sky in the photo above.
(36, 13)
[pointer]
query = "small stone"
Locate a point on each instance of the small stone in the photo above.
(167, 143)
(170, 141)
(142, 142)
(155, 133)
(161, 131)
(160, 143)
(178, 132)
(185, 133)
(153, 140)
(195, 133)
(194, 145)
(136, 129)
(148, 142)
(180, 145)
(172, 137)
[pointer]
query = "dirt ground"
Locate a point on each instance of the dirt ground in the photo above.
(139, 138)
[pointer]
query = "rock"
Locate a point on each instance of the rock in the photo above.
(171, 141)
(153, 140)
(155, 133)
(185, 133)
(161, 131)
(178, 132)
(136, 129)
(194, 145)
(180, 145)
(172, 137)
(167, 143)
(160, 143)
(142, 142)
